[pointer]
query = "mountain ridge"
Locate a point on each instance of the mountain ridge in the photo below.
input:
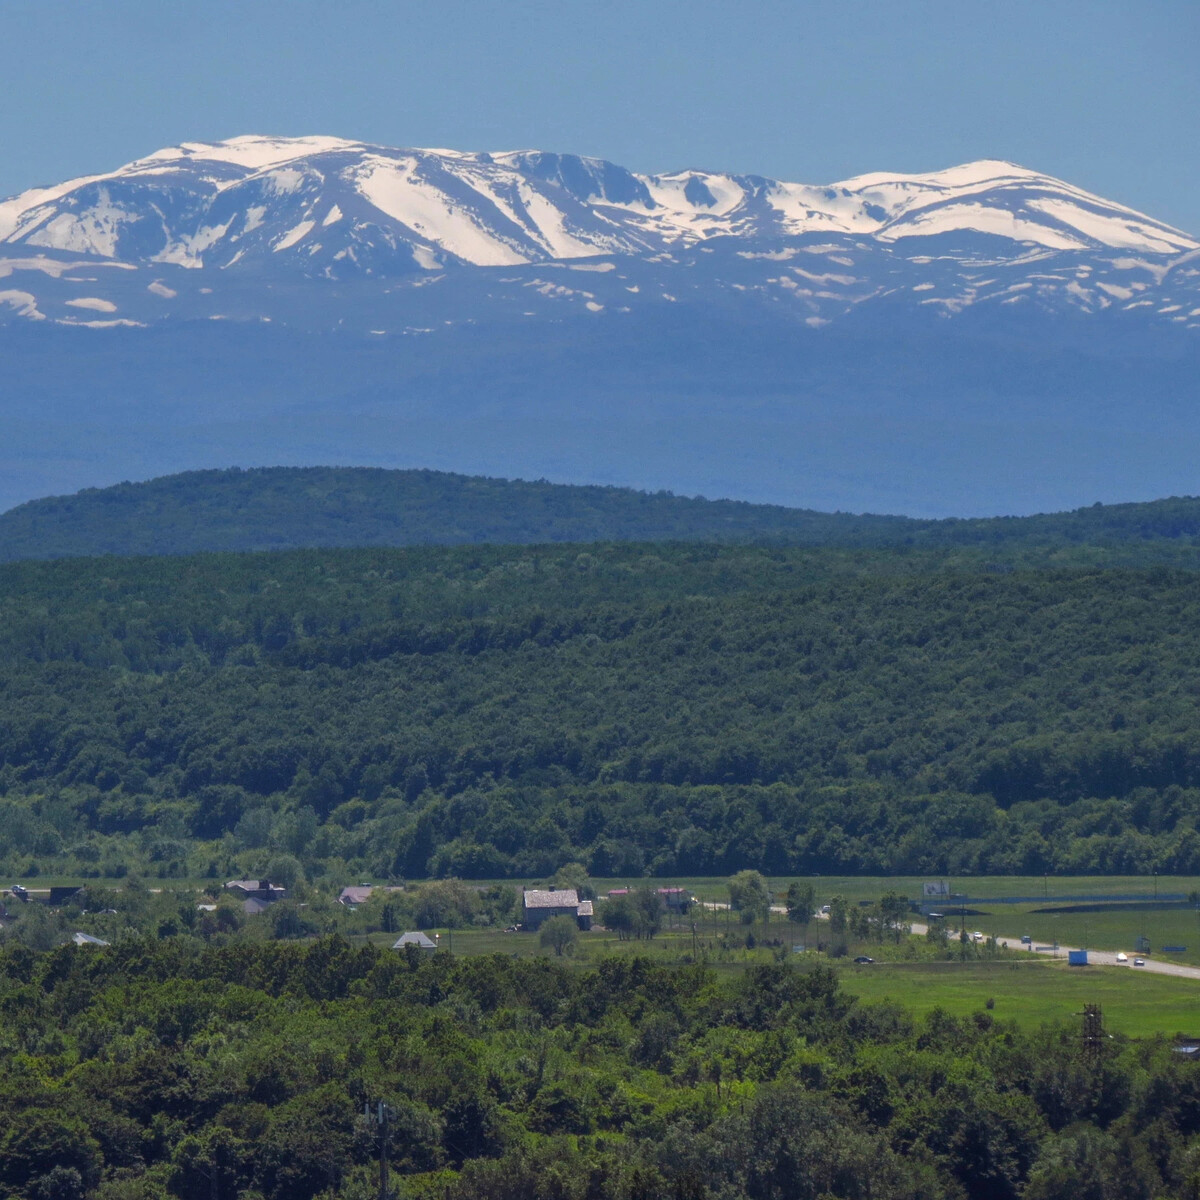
(337, 209)
(255, 209)
(874, 203)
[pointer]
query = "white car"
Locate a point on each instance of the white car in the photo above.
(977, 936)
(1122, 956)
(1139, 962)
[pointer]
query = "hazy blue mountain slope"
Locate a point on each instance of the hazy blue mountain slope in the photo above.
(923, 420)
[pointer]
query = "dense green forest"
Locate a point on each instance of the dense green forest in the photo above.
(164, 1069)
(289, 507)
(490, 712)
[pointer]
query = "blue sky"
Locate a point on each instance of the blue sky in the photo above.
(1101, 93)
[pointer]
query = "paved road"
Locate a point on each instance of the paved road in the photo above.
(1096, 958)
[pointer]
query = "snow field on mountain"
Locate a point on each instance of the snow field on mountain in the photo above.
(396, 190)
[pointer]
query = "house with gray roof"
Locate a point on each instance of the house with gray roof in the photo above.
(539, 905)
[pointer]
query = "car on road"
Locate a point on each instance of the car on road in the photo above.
(1139, 962)
(825, 909)
(977, 936)
(862, 959)
(1026, 939)
(1122, 956)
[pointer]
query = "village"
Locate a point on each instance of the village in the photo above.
(254, 898)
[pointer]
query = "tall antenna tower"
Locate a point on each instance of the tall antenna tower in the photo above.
(1093, 1031)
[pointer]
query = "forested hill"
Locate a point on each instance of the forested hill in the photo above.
(669, 709)
(289, 507)
(278, 508)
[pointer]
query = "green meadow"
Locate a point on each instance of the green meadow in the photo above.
(1135, 1004)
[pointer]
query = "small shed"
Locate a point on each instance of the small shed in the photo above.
(423, 942)
(676, 899)
(86, 939)
(538, 906)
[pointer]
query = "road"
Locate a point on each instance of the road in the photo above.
(1096, 958)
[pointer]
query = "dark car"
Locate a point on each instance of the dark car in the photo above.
(862, 958)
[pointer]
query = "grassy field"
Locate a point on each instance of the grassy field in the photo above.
(871, 887)
(1035, 993)
(1045, 888)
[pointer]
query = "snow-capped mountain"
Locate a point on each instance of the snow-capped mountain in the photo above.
(978, 340)
(204, 230)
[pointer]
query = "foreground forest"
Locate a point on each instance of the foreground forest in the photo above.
(161, 1069)
(492, 712)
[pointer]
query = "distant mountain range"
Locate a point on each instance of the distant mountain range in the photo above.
(182, 233)
(287, 508)
(975, 340)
